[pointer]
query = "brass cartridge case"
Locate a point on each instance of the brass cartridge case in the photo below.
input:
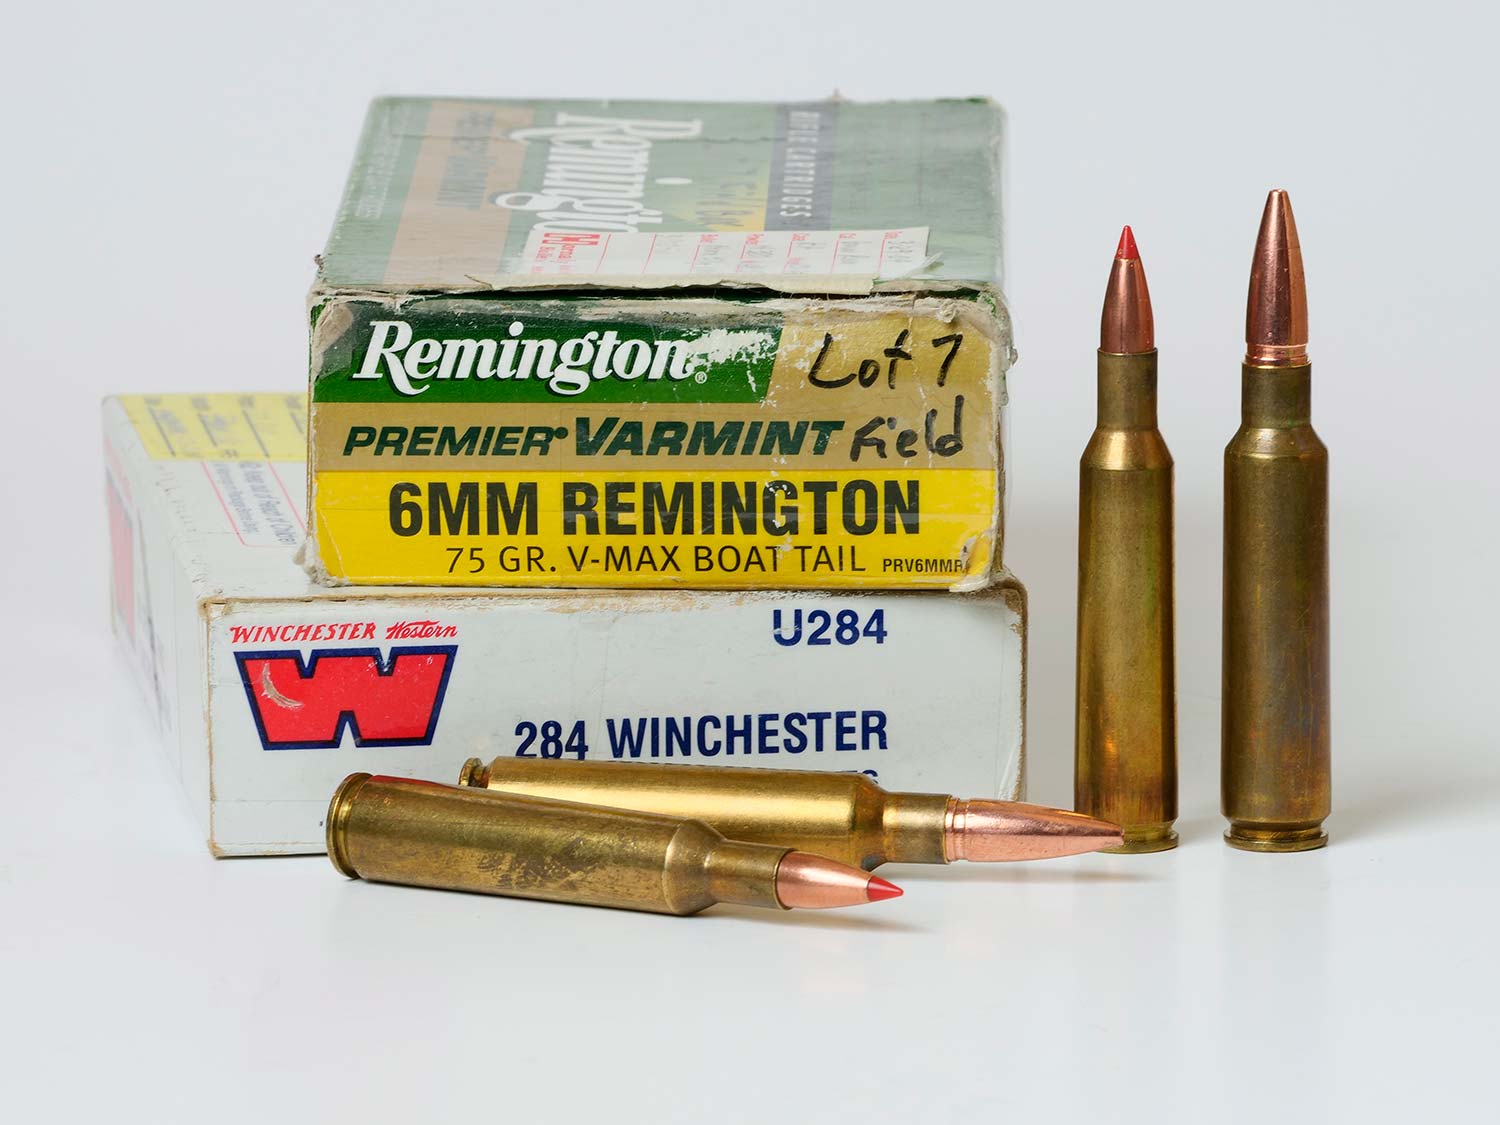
(1276, 784)
(843, 816)
(1126, 713)
(395, 830)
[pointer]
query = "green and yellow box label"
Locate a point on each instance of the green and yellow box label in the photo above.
(648, 442)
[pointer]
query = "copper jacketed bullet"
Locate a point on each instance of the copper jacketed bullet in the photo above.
(1276, 694)
(844, 816)
(1126, 705)
(395, 830)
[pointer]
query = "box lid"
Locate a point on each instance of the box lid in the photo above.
(465, 195)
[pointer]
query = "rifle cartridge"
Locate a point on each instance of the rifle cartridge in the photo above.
(1126, 708)
(396, 830)
(1276, 744)
(844, 816)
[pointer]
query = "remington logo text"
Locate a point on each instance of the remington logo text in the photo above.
(596, 173)
(566, 366)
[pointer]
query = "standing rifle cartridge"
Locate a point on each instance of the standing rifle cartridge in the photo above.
(1275, 722)
(1125, 738)
(395, 830)
(844, 816)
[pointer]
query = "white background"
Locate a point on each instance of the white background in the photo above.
(168, 175)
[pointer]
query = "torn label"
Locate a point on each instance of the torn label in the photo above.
(868, 253)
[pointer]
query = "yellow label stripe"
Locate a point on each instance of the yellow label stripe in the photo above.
(733, 529)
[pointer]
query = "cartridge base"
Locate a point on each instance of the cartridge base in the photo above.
(337, 823)
(1300, 839)
(1145, 838)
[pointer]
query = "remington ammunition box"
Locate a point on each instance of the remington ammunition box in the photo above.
(268, 688)
(662, 345)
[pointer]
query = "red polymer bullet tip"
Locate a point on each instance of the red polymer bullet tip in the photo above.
(1126, 326)
(879, 888)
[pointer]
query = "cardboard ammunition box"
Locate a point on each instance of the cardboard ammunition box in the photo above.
(269, 688)
(662, 344)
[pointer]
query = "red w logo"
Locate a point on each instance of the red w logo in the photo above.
(383, 702)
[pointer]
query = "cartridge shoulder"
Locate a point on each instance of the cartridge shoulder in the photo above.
(1298, 442)
(1114, 450)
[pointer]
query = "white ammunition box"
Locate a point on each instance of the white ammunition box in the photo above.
(269, 688)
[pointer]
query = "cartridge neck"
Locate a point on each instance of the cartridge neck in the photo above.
(1127, 390)
(744, 873)
(1276, 396)
(913, 827)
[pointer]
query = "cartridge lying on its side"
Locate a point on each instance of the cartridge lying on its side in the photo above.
(395, 830)
(844, 816)
(1276, 784)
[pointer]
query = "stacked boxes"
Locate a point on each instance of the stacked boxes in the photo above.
(677, 348)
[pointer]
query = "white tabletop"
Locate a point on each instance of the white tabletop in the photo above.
(141, 980)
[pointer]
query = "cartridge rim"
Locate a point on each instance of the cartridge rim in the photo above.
(1276, 839)
(1143, 840)
(339, 810)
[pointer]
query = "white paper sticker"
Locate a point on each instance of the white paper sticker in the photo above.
(256, 502)
(776, 253)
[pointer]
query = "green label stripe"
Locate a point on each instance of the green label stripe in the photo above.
(482, 352)
(375, 196)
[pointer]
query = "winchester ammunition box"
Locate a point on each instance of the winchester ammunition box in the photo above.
(268, 687)
(662, 345)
